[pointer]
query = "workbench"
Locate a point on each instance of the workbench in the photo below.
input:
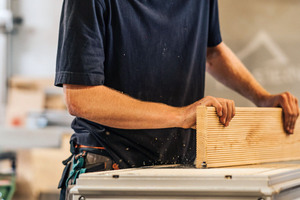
(270, 181)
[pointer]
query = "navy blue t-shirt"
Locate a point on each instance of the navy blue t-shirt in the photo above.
(152, 50)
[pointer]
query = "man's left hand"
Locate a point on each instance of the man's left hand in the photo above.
(289, 104)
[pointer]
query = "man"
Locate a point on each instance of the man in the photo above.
(133, 73)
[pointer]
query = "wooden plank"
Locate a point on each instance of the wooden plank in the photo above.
(255, 135)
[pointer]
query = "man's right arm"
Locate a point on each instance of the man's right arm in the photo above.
(112, 108)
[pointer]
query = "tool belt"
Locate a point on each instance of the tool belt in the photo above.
(84, 159)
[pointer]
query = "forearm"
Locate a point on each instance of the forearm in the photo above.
(228, 69)
(108, 107)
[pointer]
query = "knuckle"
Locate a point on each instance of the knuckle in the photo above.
(232, 103)
(288, 113)
(220, 106)
(295, 114)
(211, 98)
(283, 96)
(205, 98)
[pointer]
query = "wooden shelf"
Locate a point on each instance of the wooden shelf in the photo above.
(23, 138)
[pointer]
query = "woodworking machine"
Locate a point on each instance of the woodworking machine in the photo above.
(272, 181)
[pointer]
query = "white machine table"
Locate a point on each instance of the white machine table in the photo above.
(272, 181)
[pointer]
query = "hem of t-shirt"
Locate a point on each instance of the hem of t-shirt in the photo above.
(215, 42)
(75, 78)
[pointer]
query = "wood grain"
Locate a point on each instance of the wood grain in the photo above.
(255, 135)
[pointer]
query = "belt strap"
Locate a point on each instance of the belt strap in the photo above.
(78, 148)
(84, 146)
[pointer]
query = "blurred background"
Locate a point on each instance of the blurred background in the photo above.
(265, 36)
(34, 124)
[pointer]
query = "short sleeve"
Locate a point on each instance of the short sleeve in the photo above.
(80, 55)
(214, 34)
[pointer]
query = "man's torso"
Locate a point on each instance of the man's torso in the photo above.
(154, 51)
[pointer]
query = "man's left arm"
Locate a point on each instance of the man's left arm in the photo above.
(224, 65)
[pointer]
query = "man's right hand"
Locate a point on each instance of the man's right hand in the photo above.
(225, 110)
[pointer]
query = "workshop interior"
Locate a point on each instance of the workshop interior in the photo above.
(34, 121)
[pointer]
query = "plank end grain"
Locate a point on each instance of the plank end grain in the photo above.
(201, 127)
(255, 135)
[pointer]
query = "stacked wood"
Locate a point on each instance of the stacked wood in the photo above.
(255, 135)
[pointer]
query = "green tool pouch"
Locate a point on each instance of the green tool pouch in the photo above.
(77, 168)
(83, 160)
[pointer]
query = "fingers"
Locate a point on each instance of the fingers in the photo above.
(295, 110)
(212, 101)
(228, 109)
(225, 108)
(287, 112)
(289, 103)
(292, 101)
(233, 109)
